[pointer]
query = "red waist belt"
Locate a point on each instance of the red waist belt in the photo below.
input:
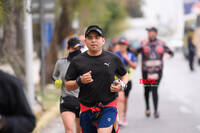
(97, 109)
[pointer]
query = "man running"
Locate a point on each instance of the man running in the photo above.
(93, 71)
(152, 51)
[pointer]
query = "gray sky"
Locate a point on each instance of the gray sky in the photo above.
(169, 12)
(165, 9)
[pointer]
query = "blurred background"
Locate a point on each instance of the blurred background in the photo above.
(33, 35)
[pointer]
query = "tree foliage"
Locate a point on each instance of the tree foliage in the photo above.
(134, 8)
(3, 7)
(109, 14)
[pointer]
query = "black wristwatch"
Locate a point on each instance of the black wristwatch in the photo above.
(78, 81)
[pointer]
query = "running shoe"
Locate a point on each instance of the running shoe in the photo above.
(156, 115)
(148, 113)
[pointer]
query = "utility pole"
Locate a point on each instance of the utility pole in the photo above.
(42, 47)
(75, 23)
(28, 33)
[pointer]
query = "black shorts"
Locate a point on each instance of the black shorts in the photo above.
(70, 103)
(128, 89)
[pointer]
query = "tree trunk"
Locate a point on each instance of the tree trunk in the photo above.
(13, 39)
(61, 30)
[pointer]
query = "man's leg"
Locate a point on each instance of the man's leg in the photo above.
(155, 98)
(147, 90)
(120, 104)
(68, 121)
(86, 122)
(191, 62)
(125, 107)
(105, 130)
(127, 91)
(107, 120)
(155, 95)
(155, 101)
(78, 127)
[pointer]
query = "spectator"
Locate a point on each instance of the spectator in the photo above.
(16, 115)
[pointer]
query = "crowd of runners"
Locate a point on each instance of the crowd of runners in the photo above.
(96, 83)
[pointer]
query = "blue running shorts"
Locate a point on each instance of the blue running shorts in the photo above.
(107, 118)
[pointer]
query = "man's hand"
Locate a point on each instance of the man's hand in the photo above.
(130, 63)
(58, 83)
(169, 56)
(87, 78)
(116, 86)
(125, 56)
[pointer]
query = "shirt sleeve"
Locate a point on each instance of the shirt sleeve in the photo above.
(167, 50)
(72, 72)
(120, 70)
(133, 59)
(56, 72)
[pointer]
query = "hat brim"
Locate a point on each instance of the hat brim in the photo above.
(150, 29)
(124, 43)
(77, 45)
(94, 30)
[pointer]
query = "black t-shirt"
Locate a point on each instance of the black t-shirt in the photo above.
(104, 67)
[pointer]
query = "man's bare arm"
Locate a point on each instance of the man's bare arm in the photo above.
(84, 79)
(71, 85)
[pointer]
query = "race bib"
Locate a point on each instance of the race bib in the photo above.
(153, 76)
(153, 63)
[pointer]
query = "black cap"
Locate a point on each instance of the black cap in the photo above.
(152, 29)
(74, 42)
(94, 28)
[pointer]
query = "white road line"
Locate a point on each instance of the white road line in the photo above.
(185, 110)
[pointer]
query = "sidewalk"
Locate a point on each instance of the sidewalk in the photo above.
(50, 104)
(46, 117)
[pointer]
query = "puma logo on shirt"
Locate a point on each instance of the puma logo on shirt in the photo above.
(107, 64)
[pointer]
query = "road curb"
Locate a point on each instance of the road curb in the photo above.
(46, 117)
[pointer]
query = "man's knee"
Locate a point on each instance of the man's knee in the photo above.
(69, 129)
(105, 130)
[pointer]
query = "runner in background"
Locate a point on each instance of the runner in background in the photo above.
(69, 104)
(152, 51)
(83, 47)
(129, 61)
(113, 47)
(191, 53)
